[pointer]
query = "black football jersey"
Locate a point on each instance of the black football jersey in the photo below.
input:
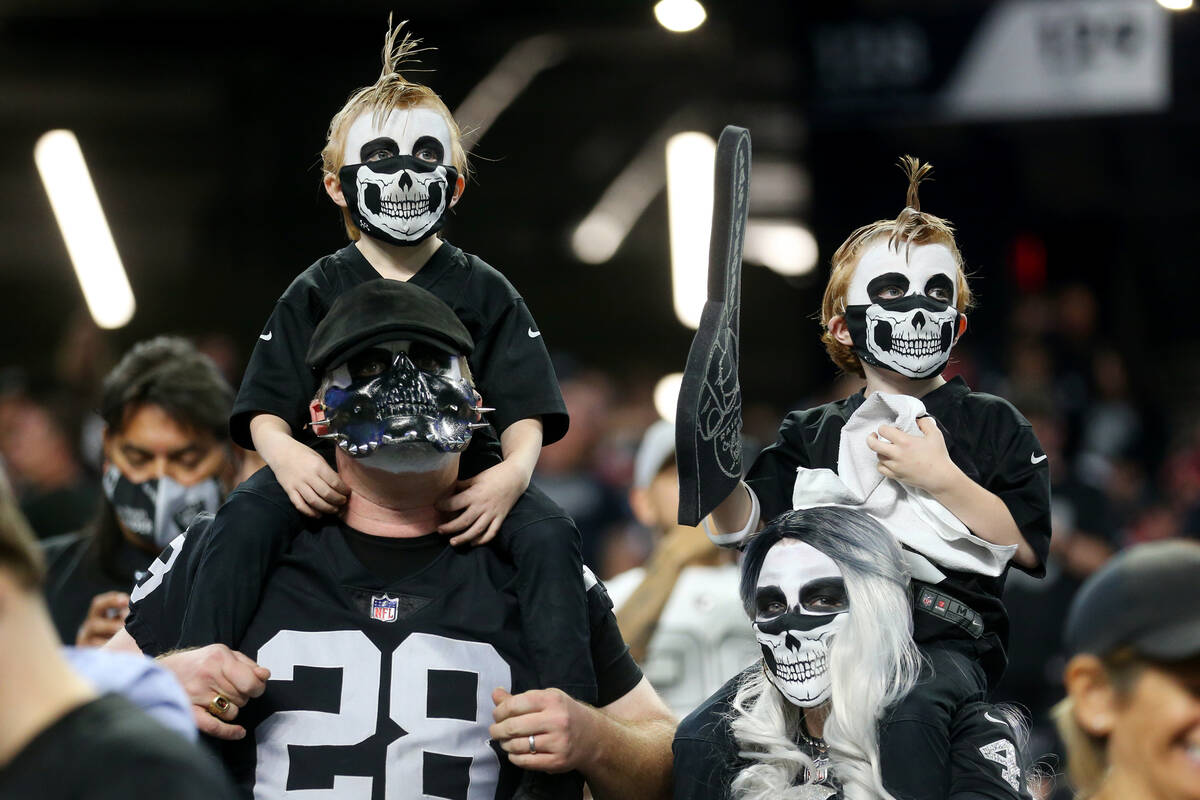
(378, 689)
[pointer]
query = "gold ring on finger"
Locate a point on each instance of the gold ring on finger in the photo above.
(219, 705)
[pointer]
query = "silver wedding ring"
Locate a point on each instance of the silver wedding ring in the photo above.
(532, 748)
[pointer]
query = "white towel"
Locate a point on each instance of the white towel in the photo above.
(913, 516)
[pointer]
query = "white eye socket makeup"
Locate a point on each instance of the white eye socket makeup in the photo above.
(929, 270)
(419, 131)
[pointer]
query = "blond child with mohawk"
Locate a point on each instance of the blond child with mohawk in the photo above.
(394, 164)
(893, 308)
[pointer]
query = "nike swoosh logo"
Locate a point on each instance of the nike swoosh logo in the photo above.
(534, 334)
(1037, 459)
(988, 716)
(266, 337)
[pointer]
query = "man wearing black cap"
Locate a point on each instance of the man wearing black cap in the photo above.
(390, 651)
(1131, 719)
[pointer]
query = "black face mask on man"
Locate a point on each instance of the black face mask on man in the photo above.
(900, 308)
(159, 509)
(398, 403)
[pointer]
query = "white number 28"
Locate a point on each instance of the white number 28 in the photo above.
(354, 721)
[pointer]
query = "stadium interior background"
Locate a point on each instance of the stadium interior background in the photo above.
(202, 123)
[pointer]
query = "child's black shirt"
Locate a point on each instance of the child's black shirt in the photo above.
(989, 440)
(510, 363)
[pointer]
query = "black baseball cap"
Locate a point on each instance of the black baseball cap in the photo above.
(384, 311)
(1147, 598)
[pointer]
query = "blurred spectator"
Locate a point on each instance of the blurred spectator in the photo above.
(165, 409)
(566, 470)
(682, 614)
(1131, 718)
(59, 740)
(37, 445)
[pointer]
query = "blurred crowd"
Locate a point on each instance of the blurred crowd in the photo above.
(1125, 468)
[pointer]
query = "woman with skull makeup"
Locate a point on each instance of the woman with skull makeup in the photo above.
(827, 590)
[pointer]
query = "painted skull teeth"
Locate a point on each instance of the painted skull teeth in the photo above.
(802, 670)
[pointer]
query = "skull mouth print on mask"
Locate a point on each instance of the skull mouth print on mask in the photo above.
(395, 183)
(900, 308)
(800, 604)
(396, 401)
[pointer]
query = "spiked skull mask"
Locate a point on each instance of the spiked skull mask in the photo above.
(800, 604)
(395, 182)
(900, 308)
(397, 405)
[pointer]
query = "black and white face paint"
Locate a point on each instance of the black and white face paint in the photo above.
(401, 406)
(901, 311)
(396, 182)
(800, 604)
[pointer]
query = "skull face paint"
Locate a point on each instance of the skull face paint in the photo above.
(901, 311)
(800, 604)
(395, 182)
(406, 400)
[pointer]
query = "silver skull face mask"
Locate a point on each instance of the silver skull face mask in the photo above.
(800, 604)
(901, 308)
(403, 399)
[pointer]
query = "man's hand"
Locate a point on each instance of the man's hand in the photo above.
(560, 726)
(311, 484)
(919, 461)
(105, 617)
(208, 671)
(482, 502)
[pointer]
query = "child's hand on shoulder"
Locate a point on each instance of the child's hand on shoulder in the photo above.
(311, 484)
(481, 503)
(919, 461)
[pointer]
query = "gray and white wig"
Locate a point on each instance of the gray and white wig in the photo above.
(873, 662)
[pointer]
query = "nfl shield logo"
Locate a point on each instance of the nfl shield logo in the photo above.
(384, 608)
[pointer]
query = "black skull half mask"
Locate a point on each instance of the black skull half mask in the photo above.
(900, 308)
(396, 401)
(800, 604)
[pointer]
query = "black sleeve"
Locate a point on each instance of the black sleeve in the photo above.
(158, 600)
(1024, 486)
(243, 544)
(515, 376)
(700, 770)
(772, 476)
(616, 671)
(277, 379)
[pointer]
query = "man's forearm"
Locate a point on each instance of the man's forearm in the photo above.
(986, 515)
(638, 615)
(630, 759)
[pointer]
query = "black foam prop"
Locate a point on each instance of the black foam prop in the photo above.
(708, 421)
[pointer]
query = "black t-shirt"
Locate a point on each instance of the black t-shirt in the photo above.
(706, 755)
(986, 437)
(510, 363)
(378, 678)
(108, 749)
(76, 572)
